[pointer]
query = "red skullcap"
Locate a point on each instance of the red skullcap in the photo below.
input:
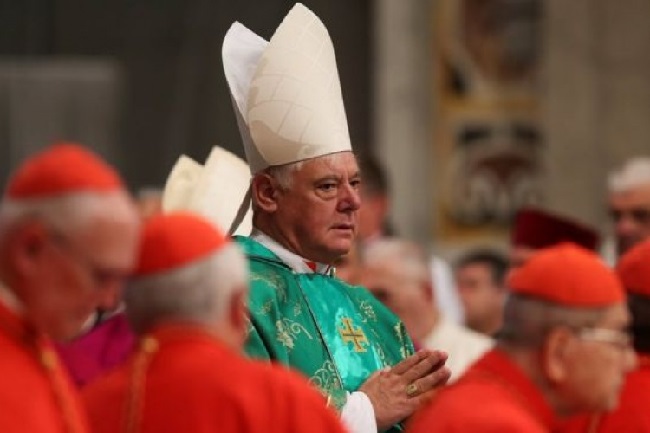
(634, 269)
(60, 169)
(537, 229)
(567, 275)
(171, 241)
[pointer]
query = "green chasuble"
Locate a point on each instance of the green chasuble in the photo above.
(334, 333)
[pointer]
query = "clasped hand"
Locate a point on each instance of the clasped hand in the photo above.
(396, 392)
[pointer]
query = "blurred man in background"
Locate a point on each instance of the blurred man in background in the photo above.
(629, 203)
(188, 303)
(375, 196)
(68, 240)
(480, 278)
(563, 349)
(397, 273)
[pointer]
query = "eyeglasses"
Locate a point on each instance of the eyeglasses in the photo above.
(638, 215)
(622, 340)
(100, 275)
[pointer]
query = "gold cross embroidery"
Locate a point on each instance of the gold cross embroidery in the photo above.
(354, 335)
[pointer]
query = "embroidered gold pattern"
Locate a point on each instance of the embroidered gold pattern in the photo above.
(288, 330)
(353, 335)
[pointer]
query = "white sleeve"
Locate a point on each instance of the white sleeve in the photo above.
(358, 415)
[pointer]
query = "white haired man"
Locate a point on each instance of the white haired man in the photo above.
(305, 192)
(629, 203)
(68, 240)
(188, 303)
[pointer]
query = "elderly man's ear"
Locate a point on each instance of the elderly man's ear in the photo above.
(265, 191)
(24, 245)
(557, 352)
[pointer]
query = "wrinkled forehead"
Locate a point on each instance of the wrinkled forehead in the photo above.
(637, 195)
(335, 164)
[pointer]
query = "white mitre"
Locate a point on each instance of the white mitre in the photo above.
(286, 92)
(180, 184)
(217, 191)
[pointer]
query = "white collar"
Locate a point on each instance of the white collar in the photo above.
(294, 261)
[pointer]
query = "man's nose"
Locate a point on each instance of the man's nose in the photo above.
(351, 199)
(625, 225)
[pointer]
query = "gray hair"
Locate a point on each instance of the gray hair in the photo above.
(527, 320)
(406, 256)
(635, 172)
(69, 213)
(199, 292)
(283, 174)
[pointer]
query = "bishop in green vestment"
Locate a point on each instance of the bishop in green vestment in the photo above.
(305, 199)
(334, 333)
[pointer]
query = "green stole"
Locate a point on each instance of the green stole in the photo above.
(334, 333)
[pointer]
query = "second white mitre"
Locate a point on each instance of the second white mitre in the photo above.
(217, 191)
(286, 92)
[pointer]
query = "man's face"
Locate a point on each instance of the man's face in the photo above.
(481, 297)
(600, 359)
(404, 296)
(317, 214)
(76, 274)
(630, 214)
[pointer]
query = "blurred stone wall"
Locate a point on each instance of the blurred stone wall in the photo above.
(169, 94)
(595, 93)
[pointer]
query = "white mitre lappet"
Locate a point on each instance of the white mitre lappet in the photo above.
(286, 92)
(217, 191)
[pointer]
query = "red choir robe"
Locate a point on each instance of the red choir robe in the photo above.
(184, 380)
(36, 394)
(493, 396)
(632, 414)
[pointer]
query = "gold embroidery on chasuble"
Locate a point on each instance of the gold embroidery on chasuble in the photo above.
(351, 334)
(327, 380)
(288, 331)
(274, 281)
(368, 311)
(326, 377)
(399, 332)
(266, 307)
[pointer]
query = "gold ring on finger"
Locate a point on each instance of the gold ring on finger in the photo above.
(411, 389)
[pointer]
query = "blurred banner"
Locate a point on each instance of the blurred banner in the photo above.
(489, 140)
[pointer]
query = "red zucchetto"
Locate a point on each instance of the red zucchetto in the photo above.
(60, 169)
(634, 269)
(171, 241)
(567, 275)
